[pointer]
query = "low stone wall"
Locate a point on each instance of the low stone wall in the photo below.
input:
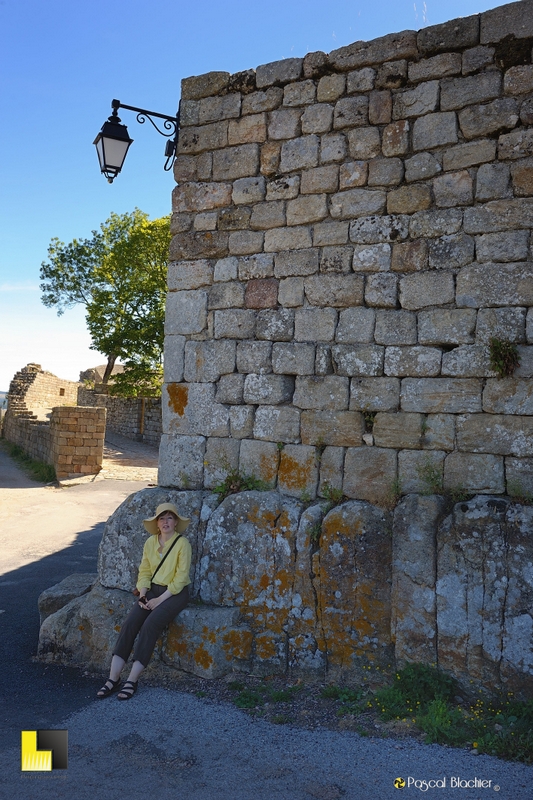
(137, 418)
(347, 594)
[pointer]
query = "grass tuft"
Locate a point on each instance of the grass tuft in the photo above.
(38, 470)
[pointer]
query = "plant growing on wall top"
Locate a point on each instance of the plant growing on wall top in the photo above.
(504, 357)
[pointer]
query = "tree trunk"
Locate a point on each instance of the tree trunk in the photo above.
(109, 369)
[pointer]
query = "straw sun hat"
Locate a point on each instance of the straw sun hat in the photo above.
(151, 523)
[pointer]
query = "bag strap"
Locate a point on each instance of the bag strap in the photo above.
(166, 554)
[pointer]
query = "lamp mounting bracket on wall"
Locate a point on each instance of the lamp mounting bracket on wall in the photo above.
(113, 141)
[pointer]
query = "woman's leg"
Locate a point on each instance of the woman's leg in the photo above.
(123, 648)
(154, 626)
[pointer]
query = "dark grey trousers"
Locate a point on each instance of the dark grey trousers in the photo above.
(148, 624)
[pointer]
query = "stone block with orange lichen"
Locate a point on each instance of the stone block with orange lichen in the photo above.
(189, 409)
(298, 471)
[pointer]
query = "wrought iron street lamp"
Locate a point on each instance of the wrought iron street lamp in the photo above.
(113, 141)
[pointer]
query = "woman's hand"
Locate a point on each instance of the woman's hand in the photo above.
(156, 601)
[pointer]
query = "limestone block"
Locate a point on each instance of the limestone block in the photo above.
(361, 80)
(283, 188)
(199, 86)
(420, 471)
(421, 166)
(301, 262)
(235, 323)
(323, 362)
(293, 358)
(320, 179)
(356, 325)
(423, 99)
(230, 389)
(408, 199)
(364, 143)
(255, 266)
(277, 326)
(277, 424)
(284, 123)
(508, 396)
(518, 144)
(448, 252)
(513, 18)
(268, 389)
(409, 256)
(251, 128)
(299, 153)
(195, 140)
(181, 465)
(357, 203)
(495, 433)
(453, 189)
(221, 457)
(336, 428)
(186, 312)
(507, 324)
(248, 190)
(439, 66)
(474, 473)
(254, 357)
(372, 258)
(307, 209)
(298, 471)
(336, 260)
(435, 223)
(499, 215)
(446, 326)
(355, 620)
(243, 243)
(519, 476)
(392, 75)
(396, 138)
(206, 361)
(315, 324)
(493, 182)
(374, 394)
(208, 642)
(434, 130)
(241, 161)
(439, 432)
(353, 173)
(385, 48)
(51, 600)
(331, 470)
(467, 361)
(369, 473)
(291, 292)
(200, 196)
(206, 221)
(333, 147)
(459, 92)
(270, 158)
(334, 290)
(385, 172)
(262, 101)
(522, 176)
(350, 112)
(200, 244)
(330, 233)
(317, 118)
(268, 215)
(241, 420)
(226, 295)
(330, 88)
(398, 430)
(297, 238)
(358, 359)
(278, 72)
(174, 358)
(495, 285)
(501, 114)
(438, 395)
(427, 289)
(382, 290)
(417, 361)
(380, 108)
(529, 325)
(476, 58)
(259, 459)
(189, 409)
(299, 94)
(458, 33)
(469, 154)
(212, 109)
(413, 599)
(321, 392)
(189, 114)
(179, 223)
(375, 229)
(261, 293)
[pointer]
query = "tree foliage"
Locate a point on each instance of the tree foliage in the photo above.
(119, 274)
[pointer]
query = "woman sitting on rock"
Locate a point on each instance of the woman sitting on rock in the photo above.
(168, 554)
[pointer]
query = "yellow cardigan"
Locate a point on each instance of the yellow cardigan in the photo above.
(174, 574)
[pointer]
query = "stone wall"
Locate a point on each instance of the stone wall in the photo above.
(350, 230)
(137, 418)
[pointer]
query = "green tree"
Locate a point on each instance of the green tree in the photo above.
(120, 276)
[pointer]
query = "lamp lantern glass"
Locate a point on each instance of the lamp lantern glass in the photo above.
(112, 145)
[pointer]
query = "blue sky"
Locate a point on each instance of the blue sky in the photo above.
(61, 64)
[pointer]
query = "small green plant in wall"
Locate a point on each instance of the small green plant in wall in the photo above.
(504, 357)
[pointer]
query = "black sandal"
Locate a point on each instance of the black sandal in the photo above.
(107, 690)
(128, 690)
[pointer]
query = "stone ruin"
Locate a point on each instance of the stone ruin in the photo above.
(350, 231)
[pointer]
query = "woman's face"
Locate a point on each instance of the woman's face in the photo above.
(167, 522)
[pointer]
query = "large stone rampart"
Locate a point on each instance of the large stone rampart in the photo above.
(349, 231)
